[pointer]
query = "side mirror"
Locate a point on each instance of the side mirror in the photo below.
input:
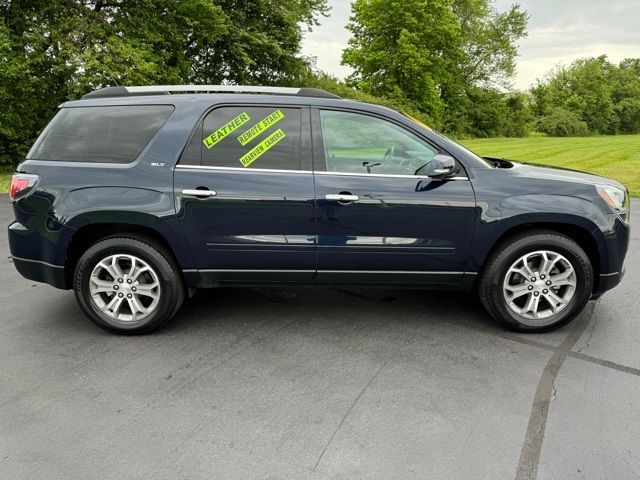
(442, 166)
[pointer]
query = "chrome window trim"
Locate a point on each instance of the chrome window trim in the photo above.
(420, 177)
(239, 169)
(269, 170)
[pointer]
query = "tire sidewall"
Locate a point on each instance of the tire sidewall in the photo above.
(584, 281)
(169, 294)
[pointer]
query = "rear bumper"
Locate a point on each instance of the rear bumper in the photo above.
(38, 248)
(40, 271)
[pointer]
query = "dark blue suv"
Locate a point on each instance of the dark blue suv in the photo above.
(136, 196)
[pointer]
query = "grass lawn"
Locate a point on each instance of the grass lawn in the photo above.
(5, 179)
(616, 157)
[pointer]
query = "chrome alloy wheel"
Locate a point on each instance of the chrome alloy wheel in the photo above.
(539, 285)
(124, 287)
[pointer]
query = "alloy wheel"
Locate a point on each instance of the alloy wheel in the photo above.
(124, 287)
(539, 285)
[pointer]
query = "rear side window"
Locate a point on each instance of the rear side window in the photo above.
(253, 137)
(115, 134)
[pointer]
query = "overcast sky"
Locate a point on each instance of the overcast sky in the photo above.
(559, 31)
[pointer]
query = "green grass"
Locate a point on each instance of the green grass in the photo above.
(616, 157)
(5, 179)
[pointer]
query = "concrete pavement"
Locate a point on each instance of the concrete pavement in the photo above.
(318, 383)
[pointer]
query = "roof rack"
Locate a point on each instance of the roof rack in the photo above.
(168, 89)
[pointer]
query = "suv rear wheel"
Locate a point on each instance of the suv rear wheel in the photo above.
(536, 282)
(128, 284)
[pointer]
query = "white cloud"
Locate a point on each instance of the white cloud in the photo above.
(327, 41)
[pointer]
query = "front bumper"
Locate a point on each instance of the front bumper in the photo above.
(612, 251)
(607, 281)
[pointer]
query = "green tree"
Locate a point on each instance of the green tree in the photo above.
(518, 115)
(601, 94)
(55, 50)
(559, 122)
(489, 41)
(429, 54)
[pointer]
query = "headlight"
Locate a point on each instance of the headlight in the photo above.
(615, 197)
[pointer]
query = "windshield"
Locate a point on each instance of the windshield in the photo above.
(465, 149)
(449, 141)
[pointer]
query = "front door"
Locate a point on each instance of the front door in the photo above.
(379, 221)
(244, 192)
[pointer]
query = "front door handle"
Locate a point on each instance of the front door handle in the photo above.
(199, 193)
(342, 197)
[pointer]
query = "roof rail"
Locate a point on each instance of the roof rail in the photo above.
(168, 89)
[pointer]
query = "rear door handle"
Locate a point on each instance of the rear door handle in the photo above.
(342, 197)
(199, 193)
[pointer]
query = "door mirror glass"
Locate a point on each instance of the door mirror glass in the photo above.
(442, 166)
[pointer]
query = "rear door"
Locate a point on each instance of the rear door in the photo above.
(379, 220)
(244, 193)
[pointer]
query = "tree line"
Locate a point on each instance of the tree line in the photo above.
(452, 62)
(447, 62)
(57, 50)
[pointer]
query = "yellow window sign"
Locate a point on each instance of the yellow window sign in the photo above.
(263, 147)
(226, 130)
(260, 127)
(422, 124)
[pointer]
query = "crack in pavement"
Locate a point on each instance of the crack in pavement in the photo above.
(546, 391)
(534, 436)
(591, 332)
(357, 399)
(514, 337)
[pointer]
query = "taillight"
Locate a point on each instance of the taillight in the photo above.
(21, 183)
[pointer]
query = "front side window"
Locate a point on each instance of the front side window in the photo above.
(357, 143)
(115, 134)
(253, 137)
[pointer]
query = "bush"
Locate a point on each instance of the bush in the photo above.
(559, 122)
(628, 112)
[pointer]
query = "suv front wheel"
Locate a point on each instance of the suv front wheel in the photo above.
(536, 282)
(128, 284)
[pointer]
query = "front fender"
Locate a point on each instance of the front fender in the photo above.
(540, 209)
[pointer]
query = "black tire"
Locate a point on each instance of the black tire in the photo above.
(172, 289)
(490, 285)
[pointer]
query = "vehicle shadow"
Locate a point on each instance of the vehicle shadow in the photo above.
(317, 306)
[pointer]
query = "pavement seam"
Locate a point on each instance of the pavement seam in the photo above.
(605, 363)
(534, 436)
(579, 355)
(353, 404)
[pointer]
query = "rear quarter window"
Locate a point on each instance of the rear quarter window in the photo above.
(112, 134)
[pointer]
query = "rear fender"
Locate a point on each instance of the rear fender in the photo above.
(124, 206)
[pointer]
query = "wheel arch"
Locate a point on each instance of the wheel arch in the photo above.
(91, 233)
(580, 232)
